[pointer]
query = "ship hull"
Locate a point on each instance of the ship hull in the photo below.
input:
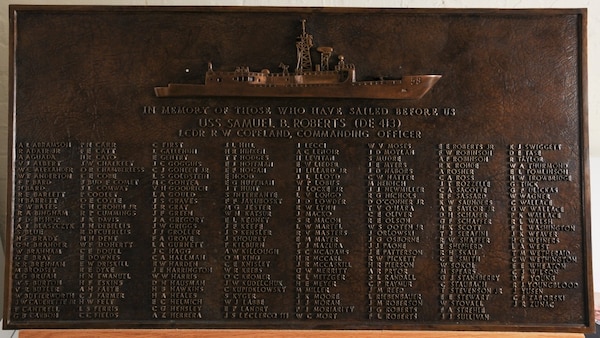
(409, 87)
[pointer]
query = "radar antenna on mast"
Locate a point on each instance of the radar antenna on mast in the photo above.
(325, 56)
(303, 46)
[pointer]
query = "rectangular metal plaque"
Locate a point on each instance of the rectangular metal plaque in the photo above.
(298, 168)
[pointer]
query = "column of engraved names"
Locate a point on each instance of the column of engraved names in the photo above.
(179, 267)
(465, 221)
(536, 226)
(39, 221)
(251, 288)
(105, 229)
(393, 242)
(320, 252)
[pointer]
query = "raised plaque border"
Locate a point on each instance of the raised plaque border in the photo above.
(583, 103)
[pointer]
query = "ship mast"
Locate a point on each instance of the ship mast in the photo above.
(303, 45)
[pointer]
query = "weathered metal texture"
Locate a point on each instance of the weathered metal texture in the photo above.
(466, 207)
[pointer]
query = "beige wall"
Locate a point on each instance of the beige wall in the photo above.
(593, 59)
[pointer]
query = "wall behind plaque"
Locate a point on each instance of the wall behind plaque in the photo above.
(593, 70)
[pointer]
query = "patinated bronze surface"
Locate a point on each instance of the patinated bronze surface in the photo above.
(298, 168)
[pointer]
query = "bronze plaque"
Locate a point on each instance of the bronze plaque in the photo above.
(298, 168)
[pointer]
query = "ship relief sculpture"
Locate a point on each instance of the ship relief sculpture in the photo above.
(307, 80)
